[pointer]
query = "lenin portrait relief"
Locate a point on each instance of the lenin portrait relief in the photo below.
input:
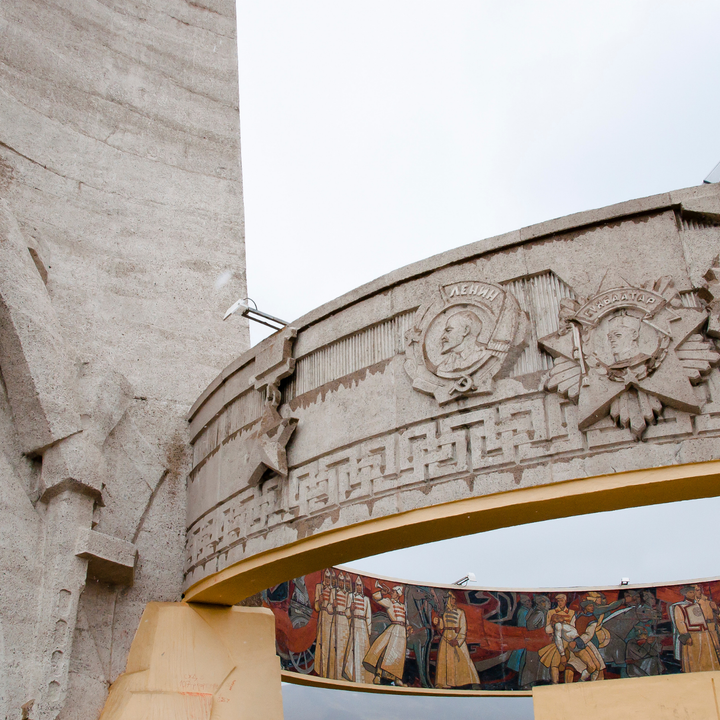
(460, 345)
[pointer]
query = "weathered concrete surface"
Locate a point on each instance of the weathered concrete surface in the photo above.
(667, 697)
(376, 437)
(200, 662)
(121, 188)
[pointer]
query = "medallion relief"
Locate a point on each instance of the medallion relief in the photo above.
(629, 351)
(462, 341)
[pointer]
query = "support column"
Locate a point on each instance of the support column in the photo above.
(205, 662)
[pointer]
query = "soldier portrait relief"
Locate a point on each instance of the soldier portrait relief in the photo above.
(623, 335)
(628, 352)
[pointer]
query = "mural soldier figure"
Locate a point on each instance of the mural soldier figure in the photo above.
(642, 656)
(341, 625)
(619, 624)
(572, 651)
(554, 655)
(325, 608)
(694, 643)
(534, 672)
(601, 605)
(710, 612)
(561, 611)
(590, 630)
(516, 661)
(420, 602)
(454, 666)
(360, 622)
(386, 657)
(589, 616)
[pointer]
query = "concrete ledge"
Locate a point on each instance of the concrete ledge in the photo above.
(109, 559)
(666, 697)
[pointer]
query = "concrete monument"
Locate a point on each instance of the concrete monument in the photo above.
(533, 375)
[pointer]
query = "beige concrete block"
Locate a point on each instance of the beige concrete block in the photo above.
(199, 663)
(692, 696)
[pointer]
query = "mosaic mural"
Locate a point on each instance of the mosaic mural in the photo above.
(339, 625)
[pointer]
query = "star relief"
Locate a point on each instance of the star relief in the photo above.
(629, 351)
(270, 440)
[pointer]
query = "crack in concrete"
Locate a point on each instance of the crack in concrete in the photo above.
(150, 501)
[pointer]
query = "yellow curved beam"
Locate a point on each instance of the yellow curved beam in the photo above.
(463, 517)
(330, 684)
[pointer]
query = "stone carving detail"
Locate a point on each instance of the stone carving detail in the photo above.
(712, 289)
(628, 352)
(267, 444)
(348, 355)
(539, 296)
(464, 339)
(491, 448)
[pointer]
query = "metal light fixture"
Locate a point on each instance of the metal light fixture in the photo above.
(469, 578)
(254, 314)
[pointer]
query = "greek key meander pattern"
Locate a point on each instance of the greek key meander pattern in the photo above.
(503, 436)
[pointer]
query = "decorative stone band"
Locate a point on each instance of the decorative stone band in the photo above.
(356, 352)
(336, 627)
(493, 448)
(538, 296)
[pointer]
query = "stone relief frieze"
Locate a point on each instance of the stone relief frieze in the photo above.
(462, 340)
(491, 448)
(712, 294)
(538, 296)
(267, 444)
(628, 352)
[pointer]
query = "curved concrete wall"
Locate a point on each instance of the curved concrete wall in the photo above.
(592, 353)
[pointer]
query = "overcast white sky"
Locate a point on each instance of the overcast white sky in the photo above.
(375, 134)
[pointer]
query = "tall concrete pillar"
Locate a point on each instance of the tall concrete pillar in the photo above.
(121, 193)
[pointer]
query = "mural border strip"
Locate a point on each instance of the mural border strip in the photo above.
(329, 684)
